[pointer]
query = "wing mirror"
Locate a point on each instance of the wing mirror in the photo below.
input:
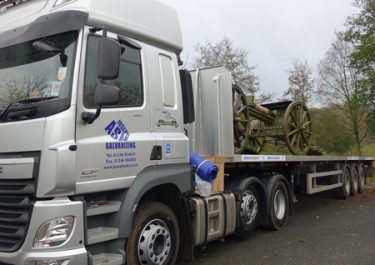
(108, 68)
(109, 56)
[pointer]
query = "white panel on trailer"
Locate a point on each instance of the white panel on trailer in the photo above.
(212, 132)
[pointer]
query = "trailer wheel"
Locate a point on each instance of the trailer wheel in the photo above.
(249, 212)
(279, 206)
(343, 192)
(361, 178)
(154, 237)
(354, 180)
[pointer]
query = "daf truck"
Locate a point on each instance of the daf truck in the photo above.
(96, 126)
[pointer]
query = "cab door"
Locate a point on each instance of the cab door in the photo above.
(167, 124)
(117, 146)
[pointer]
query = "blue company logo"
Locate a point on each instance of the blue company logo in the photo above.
(117, 131)
(251, 157)
(168, 149)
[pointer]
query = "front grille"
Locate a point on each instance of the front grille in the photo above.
(7, 200)
(12, 187)
(15, 212)
(8, 230)
(6, 245)
(23, 186)
(9, 215)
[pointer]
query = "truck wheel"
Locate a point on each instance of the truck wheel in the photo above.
(343, 192)
(361, 178)
(354, 180)
(154, 237)
(249, 213)
(279, 206)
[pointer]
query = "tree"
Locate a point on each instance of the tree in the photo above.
(235, 59)
(301, 82)
(338, 88)
(329, 133)
(14, 87)
(360, 29)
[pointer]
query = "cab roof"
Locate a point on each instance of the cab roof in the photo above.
(150, 21)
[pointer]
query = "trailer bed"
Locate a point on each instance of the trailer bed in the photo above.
(292, 158)
(312, 174)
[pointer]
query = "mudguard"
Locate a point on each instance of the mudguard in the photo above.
(178, 175)
(238, 185)
(268, 183)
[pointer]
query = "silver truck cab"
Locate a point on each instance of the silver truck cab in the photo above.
(54, 153)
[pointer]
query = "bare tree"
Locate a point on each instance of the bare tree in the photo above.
(301, 82)
(235, 59)
(338, 86)
(18, 88)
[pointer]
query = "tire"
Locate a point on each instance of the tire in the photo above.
(154, 237)
(354, 180)
(361, 178)
(249, 212)
(343, 192)
(279, 206)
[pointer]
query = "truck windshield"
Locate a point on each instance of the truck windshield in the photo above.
(40, 68)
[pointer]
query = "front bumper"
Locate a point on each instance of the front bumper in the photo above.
(72, 249)
(74, 257)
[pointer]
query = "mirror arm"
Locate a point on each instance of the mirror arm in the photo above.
(89, 117)
(95, 29)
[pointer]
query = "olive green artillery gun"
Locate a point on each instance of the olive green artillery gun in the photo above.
(286, 123)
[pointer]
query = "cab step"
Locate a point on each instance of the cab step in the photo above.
(101, 234)
(102, 207)
(108, 259)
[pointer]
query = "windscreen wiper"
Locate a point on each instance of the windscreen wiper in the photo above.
(5, 113)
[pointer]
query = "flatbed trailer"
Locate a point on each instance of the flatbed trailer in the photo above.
(308, 170)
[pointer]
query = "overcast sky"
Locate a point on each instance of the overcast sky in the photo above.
(273, 31)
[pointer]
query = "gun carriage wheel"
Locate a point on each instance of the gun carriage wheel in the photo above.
(240, 119)
(297, 128)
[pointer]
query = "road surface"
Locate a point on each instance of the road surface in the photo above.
(321, 230)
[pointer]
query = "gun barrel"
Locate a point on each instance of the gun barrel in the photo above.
(262, 109)
(259, 112)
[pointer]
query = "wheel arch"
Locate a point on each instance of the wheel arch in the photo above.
(268, 182)
(164, 184)
(238, 185)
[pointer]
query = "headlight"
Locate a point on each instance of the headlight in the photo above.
(60, 2)
(54, 232)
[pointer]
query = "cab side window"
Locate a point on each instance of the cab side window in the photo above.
(129, 80)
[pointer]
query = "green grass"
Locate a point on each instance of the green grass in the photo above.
(368, 150)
